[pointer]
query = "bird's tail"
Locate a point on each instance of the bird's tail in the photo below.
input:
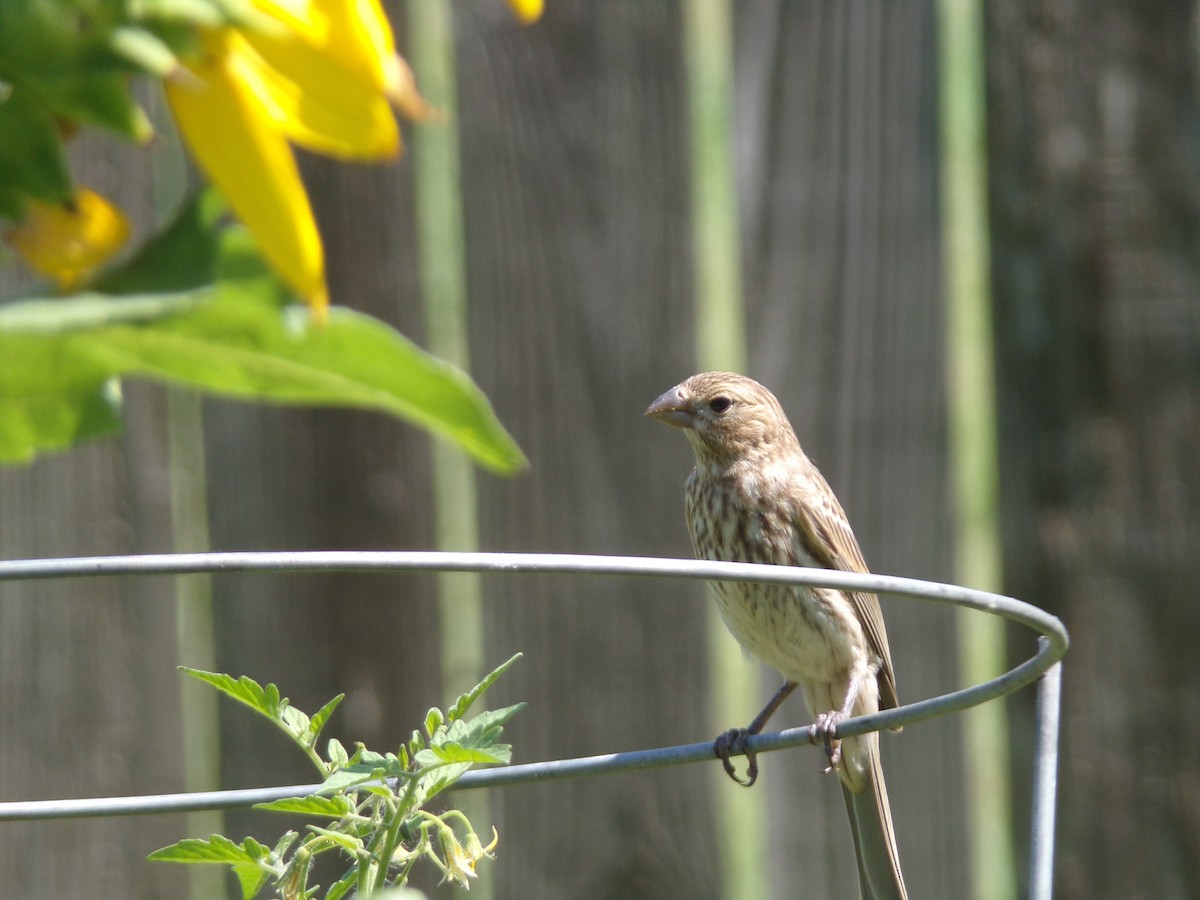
(870, 814)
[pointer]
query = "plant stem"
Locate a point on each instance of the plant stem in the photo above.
(973, 440)
(440, 248)
(721, 344)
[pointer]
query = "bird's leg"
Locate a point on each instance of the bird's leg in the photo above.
(824, 728)
(734, 740)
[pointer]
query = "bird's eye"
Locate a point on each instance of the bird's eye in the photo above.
(719, 404)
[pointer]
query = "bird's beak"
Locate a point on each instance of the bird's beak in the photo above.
(672, 408)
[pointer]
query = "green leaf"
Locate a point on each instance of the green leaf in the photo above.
(314, 805)
(451, 752)
(485, 722)
(32, 161)
(348, 777)
(184, 256)
(370, 758)
(433, 720)
(244, 690)
(345, 884)
(217, 849)
(351, 844)
(251, 878)
(319, 718)
(334, 751)
(285, 841)
(465, 701)
(236, 341)
(436, 780)
(57, 420)
(295, 723)
(96, 98)
(474, 740)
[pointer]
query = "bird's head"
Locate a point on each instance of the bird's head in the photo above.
(726, 417)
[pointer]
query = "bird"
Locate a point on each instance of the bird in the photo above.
(754, 496)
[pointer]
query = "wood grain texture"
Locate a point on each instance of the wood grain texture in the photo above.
(578, 243)
(1096, 218)
(836, 105)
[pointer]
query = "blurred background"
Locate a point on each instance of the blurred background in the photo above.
(587, 207)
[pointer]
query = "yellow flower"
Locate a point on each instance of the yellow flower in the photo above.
(318, 73)
(69, 241)
(527, 11)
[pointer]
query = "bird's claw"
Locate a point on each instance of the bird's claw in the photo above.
(731, 742)
(824, 729)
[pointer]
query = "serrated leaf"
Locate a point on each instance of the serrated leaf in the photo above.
(320, 717)
(217, 849)
(348, 777)
(314, 805)
(493, 718)
(244, 690)
(479, 732)
(456, 753)
(465, 701)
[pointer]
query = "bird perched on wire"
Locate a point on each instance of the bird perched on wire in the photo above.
(754, 496)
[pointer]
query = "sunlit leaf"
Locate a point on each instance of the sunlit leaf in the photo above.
(217, 849)
(333, 807)
(465, 701)
(229, 336)
(244, 690)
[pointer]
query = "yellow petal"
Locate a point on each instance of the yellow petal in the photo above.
(356, 35)
(317, 102)
(69, 241)
(527, 11)
(247, 157)
(359, 37)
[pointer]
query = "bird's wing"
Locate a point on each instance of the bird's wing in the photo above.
(829, 535)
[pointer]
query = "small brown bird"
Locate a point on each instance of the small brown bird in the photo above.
(755, 497)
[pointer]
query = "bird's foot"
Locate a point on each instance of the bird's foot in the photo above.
(731, 742)
(824, 729)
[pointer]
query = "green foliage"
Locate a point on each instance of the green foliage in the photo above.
(373, 801)
(76, 56)
(197, 306)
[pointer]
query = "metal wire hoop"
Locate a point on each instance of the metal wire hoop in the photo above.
(1053, 642)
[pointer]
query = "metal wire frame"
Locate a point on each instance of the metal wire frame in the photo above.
(1044, 665)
